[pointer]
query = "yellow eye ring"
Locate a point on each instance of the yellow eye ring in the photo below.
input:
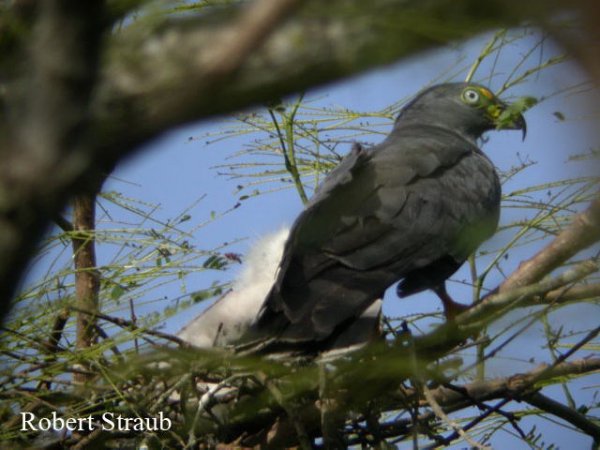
(471, 96)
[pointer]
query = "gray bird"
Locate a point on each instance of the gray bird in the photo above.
(411, 209)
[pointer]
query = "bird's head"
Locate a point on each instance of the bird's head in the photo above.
(469, 108)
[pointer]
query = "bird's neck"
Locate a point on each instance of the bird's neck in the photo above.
(403, 126)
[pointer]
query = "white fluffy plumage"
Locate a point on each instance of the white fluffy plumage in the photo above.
(230, 316)
(226, 321)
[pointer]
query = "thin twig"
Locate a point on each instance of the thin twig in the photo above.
(63, 223)
(487, 50)
(488, 410)
(128, 324)
(560, 360)
(439, 412)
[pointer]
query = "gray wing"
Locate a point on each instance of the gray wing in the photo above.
(382, 214)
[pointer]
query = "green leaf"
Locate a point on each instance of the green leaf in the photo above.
(201, 296)
(117, 292)
(515, 109)
(215, 262)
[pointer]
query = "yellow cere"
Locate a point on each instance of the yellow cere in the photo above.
(487, 93)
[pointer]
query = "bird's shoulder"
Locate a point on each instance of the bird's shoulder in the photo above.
(419, 150)
(408, 154)
(341, 174)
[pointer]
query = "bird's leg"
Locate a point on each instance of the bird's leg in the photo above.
(451, 308)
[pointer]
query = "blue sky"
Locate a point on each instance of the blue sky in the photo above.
(174, 171)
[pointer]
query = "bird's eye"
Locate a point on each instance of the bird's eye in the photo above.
(470, 96)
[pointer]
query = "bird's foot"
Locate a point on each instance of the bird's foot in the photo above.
(451, 308)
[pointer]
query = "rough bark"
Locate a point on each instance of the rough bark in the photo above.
(87, 278)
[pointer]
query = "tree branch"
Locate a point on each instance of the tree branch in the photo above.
(145, 79)
(510, 386)
(565, 295)
(509, 299)
(580, 234)
(63, 223)
(439, 412)
(124, 323)
(241, 39)
(87, 278)
(570, 415)
(494, 306)
(523, 287)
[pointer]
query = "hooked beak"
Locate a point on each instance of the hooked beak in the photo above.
(506, 117)
(518, 123)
